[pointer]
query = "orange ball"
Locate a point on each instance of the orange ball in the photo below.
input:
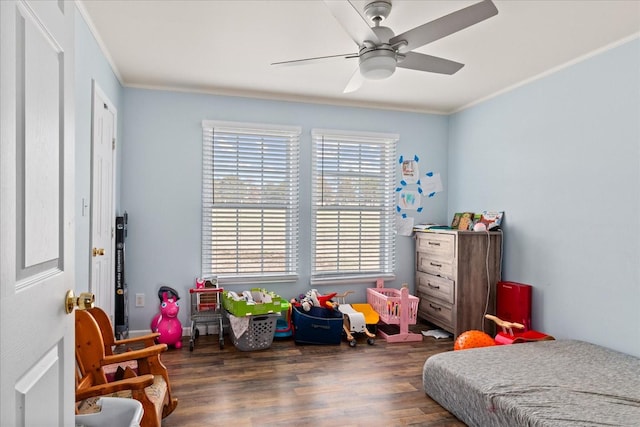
(473, 339)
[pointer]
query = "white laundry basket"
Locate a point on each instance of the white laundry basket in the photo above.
(115, 411)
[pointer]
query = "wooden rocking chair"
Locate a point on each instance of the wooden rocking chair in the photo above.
(110, 341)
(156, 367)
(148, 386)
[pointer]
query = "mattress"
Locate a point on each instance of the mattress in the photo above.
(546, 383)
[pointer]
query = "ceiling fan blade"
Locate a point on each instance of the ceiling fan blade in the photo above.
(431, 64)
(315, 59)
(352, 22)
(355, 82)
(446, 25)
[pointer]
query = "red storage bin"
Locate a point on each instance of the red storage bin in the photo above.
(513, 303)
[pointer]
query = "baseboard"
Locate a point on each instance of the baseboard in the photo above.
(186, 331)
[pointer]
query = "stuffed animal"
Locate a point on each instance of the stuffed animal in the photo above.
(166, 322)
(325, 301)
(306, 302)
(313, 299)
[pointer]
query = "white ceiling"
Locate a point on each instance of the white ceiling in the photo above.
(226, 47)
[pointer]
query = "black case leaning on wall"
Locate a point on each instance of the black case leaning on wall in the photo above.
(121, 303)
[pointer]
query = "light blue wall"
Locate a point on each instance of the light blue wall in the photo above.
(161, 183)
(90, 64)
(562, 157)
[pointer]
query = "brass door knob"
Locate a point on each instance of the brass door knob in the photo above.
(97, 251)
(84, 301)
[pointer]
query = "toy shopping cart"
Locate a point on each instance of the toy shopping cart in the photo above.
(206, 309)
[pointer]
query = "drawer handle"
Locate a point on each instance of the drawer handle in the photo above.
(433, 264)
(432, 286)
(436, 308)
(434, 243)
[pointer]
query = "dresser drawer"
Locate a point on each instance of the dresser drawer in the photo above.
(435, 287)
(438, 246)
(428, 264)
(440, 314)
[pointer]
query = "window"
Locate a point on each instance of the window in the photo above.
(250, 202)
(353, 225)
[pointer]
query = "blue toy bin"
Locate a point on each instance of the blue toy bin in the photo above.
(317, 326)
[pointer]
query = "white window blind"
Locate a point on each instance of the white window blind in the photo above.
(250, 202)
(353, 223)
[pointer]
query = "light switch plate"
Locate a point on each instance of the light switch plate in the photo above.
(139, 300)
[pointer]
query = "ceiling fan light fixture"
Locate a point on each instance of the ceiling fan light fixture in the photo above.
(377, 64)
(381, 51)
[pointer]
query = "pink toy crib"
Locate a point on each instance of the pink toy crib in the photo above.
(395, 307)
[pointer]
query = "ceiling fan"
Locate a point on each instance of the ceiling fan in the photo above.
(381, 51)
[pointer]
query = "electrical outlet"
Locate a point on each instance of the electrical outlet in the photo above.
(139, 300)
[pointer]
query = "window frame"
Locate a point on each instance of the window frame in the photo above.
(386, 198)
(288, 136)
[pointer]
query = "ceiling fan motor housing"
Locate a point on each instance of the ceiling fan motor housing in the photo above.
(378, 62)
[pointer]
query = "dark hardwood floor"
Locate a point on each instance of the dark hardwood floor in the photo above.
(314, 385)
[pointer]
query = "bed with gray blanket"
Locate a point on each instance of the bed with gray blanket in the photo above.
(546, 383)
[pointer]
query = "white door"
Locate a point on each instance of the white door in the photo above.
(102, 214)
(36, 213)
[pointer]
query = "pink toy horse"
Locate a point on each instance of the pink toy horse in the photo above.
(166, 322)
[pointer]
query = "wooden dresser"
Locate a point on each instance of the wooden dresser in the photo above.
(451, 278)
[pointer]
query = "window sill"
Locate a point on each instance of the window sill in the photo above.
(351, 280)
